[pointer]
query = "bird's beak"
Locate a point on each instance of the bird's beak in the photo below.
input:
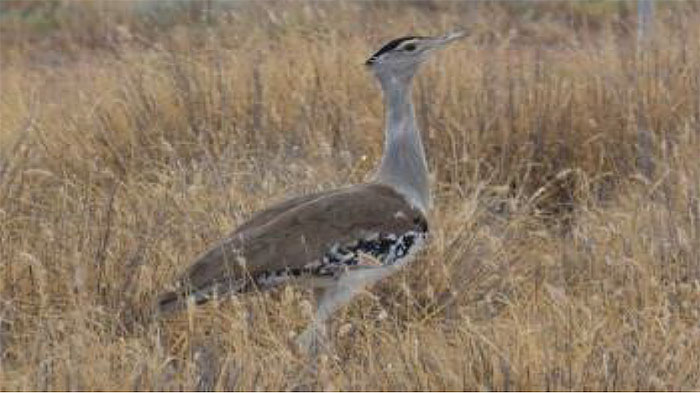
(441, 42)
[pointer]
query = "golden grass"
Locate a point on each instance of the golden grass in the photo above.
(128, 145)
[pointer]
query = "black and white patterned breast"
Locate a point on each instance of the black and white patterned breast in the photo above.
(385, 248)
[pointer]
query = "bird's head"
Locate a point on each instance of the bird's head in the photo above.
(401, 57)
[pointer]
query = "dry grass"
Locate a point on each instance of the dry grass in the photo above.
(130, 142)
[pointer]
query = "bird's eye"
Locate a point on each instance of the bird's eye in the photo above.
(409, 47)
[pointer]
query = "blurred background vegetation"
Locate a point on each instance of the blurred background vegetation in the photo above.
(566, 230)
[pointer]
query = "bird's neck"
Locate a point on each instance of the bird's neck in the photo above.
(403, 165)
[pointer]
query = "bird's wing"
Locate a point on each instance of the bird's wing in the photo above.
(264, 216)
(299, 236)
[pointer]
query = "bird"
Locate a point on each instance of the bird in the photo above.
(336, 242)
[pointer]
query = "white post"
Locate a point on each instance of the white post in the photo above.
(645, 17)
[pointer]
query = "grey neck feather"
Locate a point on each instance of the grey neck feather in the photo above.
(403, 165)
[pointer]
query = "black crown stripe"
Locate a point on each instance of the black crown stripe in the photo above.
(390, 46)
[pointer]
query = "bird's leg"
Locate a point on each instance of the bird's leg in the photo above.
(330, 299)
(315, 337)
(315, 334)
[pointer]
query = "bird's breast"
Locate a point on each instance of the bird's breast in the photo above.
(377, 250)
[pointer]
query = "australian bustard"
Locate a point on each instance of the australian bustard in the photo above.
(340, 241)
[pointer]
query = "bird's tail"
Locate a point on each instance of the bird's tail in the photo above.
(178, 300)
(172, 301)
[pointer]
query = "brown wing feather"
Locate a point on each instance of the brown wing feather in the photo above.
(263, 216)
(299, 234)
